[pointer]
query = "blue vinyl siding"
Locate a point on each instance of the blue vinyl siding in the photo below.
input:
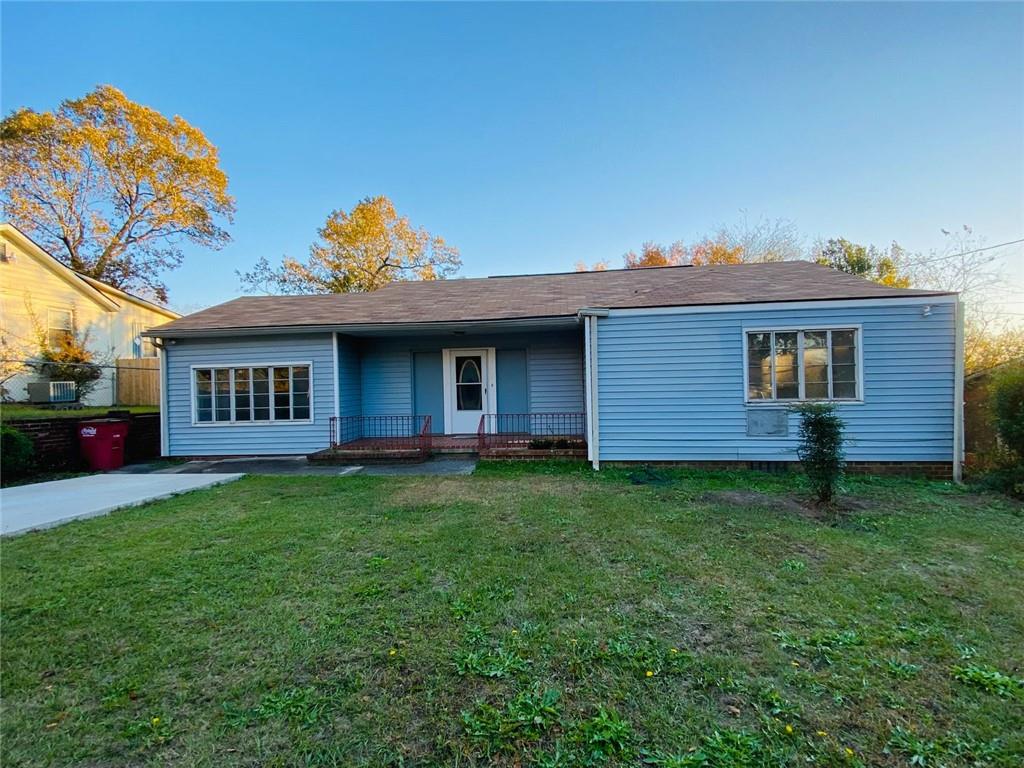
(513, 387)
(556, 378)
(184, 439)
(350, 392)
(671, 386)
(428, 388)
(386, 380)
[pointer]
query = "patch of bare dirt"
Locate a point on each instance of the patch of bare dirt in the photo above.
(792, 503)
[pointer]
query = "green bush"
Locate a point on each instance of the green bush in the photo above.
(821, 448)
(1007, 393)
(1005, 470)
(16, 452)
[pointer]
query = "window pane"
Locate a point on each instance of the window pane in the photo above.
(842, 389)
(787, 385)
(203, 379)
(759, 366)
(301, 412)
(815, 365)
(469, 397)
(204, 414)
(260, 414)
(844, 349)
(467, 370)
(260, 380)
(222, 390)
(241, 381)
(300, 378)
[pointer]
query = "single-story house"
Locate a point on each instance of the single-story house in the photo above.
(673, 364)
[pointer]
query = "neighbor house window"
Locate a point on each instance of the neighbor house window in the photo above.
(802, 365)
(60, 324)
(141, 346)
(252, 394)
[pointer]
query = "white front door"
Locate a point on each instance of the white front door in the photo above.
(470, 390)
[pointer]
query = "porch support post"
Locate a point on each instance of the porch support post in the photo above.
(337, 375)
(958, 395)
(589, 318)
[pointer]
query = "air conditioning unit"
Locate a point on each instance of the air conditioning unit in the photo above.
(52, 392)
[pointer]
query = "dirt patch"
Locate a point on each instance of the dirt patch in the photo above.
(791, 503)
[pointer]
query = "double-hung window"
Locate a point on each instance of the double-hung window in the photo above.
(60, 327)
(803, 364)
(270, 393)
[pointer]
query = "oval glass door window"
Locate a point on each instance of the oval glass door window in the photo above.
(469, 394)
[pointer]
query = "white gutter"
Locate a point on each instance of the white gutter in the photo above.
(165, 437)
(958, 396)
(589, 318)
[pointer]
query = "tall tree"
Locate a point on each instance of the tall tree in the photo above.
(112, 188)
(885, 267)
(359, 250)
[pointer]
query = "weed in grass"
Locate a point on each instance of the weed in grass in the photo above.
(525, 718)
(603, 736)
(150, 732)
(303, 706)
(902, 670)
(990, 679)
(950, 749)
(825, 646)
(495, 662)
(793, 565)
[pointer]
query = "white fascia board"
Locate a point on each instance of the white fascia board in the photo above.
(949, 298)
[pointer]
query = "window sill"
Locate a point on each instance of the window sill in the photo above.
(278, 422)
(789, 403)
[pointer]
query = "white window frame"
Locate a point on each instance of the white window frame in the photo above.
(231, 379)
(50, 311)
(801, 329)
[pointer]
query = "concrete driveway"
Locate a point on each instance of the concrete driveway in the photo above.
(44, 505)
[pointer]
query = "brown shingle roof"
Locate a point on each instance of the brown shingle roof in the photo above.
(534, 296)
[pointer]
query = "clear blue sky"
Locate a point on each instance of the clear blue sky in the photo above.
(531, 136)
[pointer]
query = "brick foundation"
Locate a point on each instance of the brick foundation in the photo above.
(56, 440)
(933, 470)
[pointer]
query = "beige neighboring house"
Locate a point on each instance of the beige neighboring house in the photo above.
(40, 294)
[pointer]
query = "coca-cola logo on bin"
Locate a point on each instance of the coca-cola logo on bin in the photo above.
(88, 431)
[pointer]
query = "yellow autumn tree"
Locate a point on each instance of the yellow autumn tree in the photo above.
(112, 188)
(357, 251)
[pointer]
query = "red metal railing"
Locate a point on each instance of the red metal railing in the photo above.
(531, 430)
(381, 434)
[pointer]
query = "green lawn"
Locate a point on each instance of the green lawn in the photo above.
(525, 615)
(10, 412)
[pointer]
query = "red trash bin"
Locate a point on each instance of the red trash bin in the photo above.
(102, 442)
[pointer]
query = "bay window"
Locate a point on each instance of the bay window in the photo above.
(271, 393)
(802, 364)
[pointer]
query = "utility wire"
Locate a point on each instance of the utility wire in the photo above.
(968, 253)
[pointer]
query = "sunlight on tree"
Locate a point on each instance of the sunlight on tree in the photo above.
(111, 187)
(359, 250)
(885, 267)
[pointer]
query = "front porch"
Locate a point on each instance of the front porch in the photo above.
(492, 390)
(410, 438)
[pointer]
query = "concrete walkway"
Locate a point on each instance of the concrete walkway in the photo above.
(44, 505)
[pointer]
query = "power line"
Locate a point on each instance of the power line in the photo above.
(968, 253)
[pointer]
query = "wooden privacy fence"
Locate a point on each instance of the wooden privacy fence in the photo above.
(138, 381)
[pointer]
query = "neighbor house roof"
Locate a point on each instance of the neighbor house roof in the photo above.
(538, 296)
(107, 296)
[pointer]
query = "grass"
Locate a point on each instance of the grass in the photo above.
(525, 615)
(12, 412)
